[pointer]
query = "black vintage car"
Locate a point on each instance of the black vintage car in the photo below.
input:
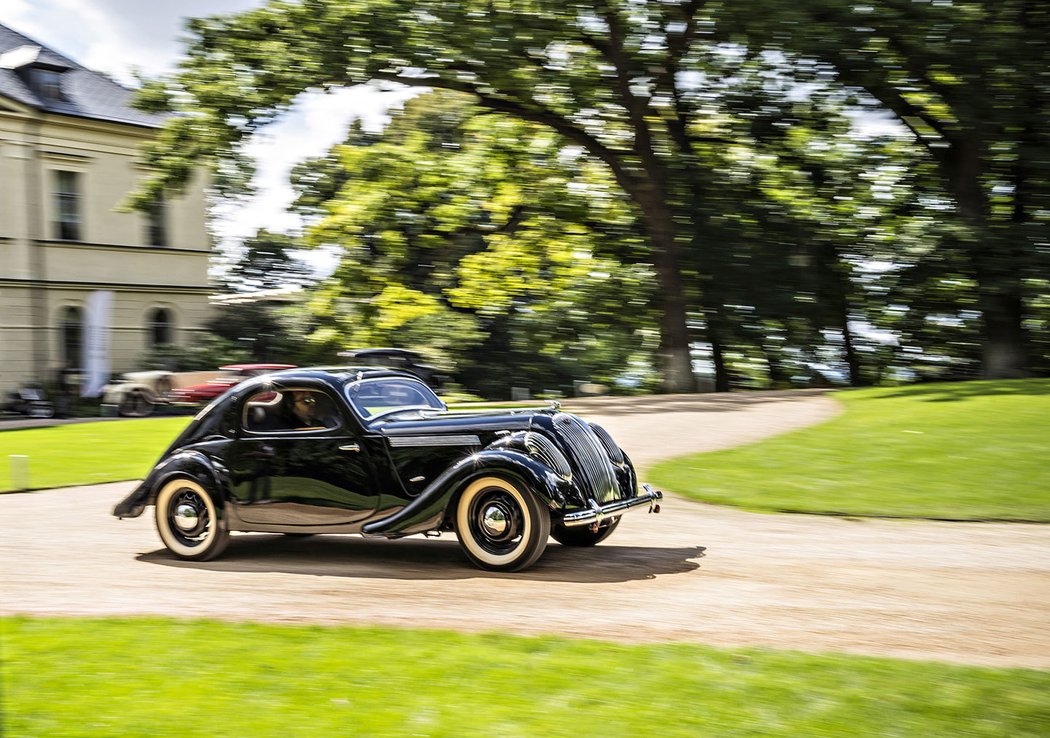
(375, 452)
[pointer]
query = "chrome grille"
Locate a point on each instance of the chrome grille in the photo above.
(543, 448)
(610, 445)
(589, 457)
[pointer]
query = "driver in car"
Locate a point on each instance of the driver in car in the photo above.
(311, 410)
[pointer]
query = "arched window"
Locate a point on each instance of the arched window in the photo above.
(71, 332)
(159, 327)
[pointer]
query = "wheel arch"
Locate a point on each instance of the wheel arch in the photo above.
(188, 464)
(432, 508)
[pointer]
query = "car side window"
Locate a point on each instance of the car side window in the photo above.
(289, 411)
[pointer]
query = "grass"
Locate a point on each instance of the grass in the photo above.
(153, 677)
(965, 451)
(85, 453)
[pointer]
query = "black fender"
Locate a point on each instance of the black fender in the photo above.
(428, 510)
(188, 463)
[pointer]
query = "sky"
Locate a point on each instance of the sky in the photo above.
(120, 36)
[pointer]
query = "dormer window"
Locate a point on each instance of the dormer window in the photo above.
(39, 69)
(48, 84)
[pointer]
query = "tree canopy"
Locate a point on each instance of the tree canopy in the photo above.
(728, 133)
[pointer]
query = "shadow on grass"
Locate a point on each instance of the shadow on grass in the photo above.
(955, 391)
(423, 560)
(710, 402)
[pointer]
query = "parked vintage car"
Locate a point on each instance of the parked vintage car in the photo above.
(137, 394)
(231, 374)
(396, 358)
(375, 452)
(29, 400)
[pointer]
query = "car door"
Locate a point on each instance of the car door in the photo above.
(288, 473)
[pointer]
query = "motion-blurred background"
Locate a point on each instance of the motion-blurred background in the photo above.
(540, 198)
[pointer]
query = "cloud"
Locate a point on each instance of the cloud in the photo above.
(316, 123)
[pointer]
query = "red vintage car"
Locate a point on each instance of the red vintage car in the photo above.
(232, 374)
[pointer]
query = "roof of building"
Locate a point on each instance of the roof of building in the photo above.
(85, 93)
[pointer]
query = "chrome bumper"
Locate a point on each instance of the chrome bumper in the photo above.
(597, 513)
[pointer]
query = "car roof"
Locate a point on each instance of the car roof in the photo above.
(336, 374)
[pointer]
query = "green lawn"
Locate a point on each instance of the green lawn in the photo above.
(86, 453)
(152, 677)
(963, 451)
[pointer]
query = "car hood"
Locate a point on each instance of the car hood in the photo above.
(456, 422)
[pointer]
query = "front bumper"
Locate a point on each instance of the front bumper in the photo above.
(596, 513)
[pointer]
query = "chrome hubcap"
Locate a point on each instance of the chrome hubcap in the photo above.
(495, 521)
(186, 517)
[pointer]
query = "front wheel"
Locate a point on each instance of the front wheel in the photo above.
(583, 535)
(501, 525)
(188, 521)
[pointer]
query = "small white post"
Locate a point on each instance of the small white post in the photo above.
(19, 471)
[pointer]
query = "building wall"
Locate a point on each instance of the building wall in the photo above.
(41, 275)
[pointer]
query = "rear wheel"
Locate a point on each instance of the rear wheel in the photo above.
(188, 521)
(135, 404)
(501, 524)
(582, 535)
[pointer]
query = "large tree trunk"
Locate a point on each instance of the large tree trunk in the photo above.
(1003, 349)
(676, 364)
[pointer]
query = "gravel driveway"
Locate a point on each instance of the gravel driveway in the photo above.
(963, 592)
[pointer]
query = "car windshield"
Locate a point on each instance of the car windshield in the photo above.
(385, 395)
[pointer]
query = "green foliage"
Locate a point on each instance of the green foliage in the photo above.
(969, 80)
(717, 134)
(480, 240)
(123, 677)
(960, 451)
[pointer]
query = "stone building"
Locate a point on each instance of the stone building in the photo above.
(69, 143)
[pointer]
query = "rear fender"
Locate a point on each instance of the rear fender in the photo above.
(428, 511)
(189, 464)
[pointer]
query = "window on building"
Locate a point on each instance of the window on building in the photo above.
(160, 327)
(156, 224)
(71, 331)
(48, 84)
(67, 206)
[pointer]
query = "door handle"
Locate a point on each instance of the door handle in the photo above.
(262, 452)
(350, 447)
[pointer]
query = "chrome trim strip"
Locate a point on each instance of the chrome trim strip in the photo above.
(596, 513)
(417, 441)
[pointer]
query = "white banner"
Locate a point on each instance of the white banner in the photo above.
(95, 358)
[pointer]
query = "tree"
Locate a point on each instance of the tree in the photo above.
(485, 241)
(604, 75)
(969, 79)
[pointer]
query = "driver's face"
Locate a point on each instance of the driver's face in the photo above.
(303, 402)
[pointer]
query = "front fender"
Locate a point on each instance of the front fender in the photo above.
(189, 463)
(428, 510)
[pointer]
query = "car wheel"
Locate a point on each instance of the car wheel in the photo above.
(501, 525)
(40, 410)
(135, 404)
(188, 521)
(582, 535)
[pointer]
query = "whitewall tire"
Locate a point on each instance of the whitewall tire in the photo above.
(188, 521)
(501, 525)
